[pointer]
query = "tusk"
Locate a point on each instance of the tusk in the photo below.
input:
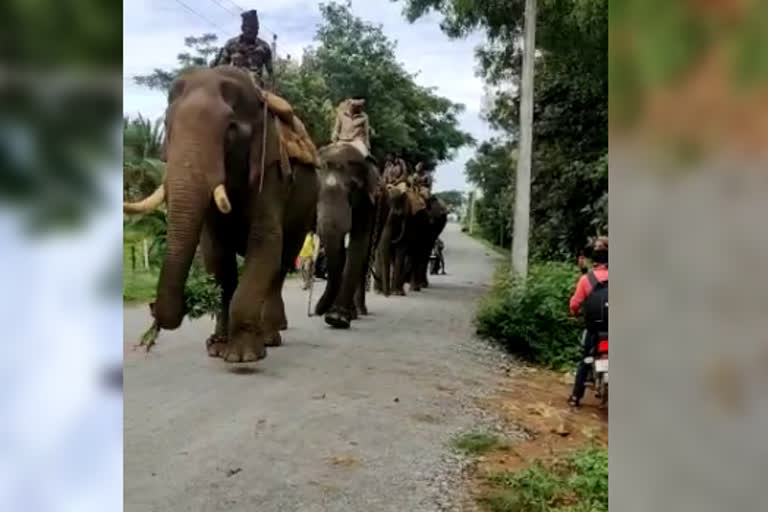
(147, 205)
(221, 199)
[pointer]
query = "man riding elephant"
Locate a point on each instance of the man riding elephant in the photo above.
(352, 125)
(395, 170)
(422, 179)
(248, 50)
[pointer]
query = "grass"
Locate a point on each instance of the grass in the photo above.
(139, 286)
(476, 443)
(577, 483)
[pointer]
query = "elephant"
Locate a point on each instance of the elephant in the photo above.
(438, 217)
(402, 240)
(346, 205)
(228, 189)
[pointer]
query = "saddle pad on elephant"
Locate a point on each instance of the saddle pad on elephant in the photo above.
(293, 136)
(416, 201)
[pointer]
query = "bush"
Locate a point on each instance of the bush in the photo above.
(534, 321)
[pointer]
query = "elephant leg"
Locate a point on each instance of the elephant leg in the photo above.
(355, 268)
(221, 262)
(274, 313)
(249, 331)
(336, 260)
(360, 306)
(398, 277)
(414, 272)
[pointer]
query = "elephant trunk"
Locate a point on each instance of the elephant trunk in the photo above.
(195, 176)
(334, 221)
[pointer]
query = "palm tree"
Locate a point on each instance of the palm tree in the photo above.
(143, 172)
(142, 145)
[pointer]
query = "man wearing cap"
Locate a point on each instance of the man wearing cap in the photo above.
(247, 50)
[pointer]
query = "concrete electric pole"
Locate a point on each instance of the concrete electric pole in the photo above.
(523, 176)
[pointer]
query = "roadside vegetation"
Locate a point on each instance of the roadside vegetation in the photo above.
(569, 206)
(574, 483)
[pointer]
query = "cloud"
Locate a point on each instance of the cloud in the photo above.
(153, 37)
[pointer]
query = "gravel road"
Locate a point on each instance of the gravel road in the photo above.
(353, 421)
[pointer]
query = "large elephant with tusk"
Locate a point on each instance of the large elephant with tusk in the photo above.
(231, 188)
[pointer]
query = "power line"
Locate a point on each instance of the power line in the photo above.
(217, 2)
(236, 5)
(204, 18)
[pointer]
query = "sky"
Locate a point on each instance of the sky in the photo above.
(154, 31)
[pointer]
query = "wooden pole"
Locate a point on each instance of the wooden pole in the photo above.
(146, 254)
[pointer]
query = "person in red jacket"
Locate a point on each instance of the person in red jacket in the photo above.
(582, 292)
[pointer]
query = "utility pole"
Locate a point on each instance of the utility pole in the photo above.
(523, 175)
(473, 199)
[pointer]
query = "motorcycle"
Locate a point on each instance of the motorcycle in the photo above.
(599, 369)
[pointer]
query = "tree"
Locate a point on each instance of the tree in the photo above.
(357, 58)
(142, 169)
(203, 49)
(453, 199)
(569, 181)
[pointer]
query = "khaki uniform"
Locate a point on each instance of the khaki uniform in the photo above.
(254, 55)
(395, 171)
(352, 128)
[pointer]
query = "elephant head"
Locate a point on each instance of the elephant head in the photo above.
(214, 117)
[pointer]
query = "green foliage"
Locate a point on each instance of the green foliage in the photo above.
(533, 321)
(453, 199)
(306, 89)
(139, 286)
(475, 443)
(200, 51)
(143, 170)
(578, 483)
(202, 294)
(79, 34)
(569, 186)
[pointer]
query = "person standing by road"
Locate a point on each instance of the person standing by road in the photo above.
(306, 261)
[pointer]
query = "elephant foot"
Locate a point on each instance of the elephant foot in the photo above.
(274, 340)
(215, 345)
(283, 325)
(362, 310)
(245, 348)
(399, 293)
(337, 320)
